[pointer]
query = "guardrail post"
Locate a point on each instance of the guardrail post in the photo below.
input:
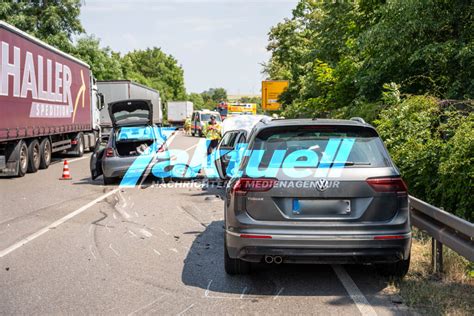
(436, 255)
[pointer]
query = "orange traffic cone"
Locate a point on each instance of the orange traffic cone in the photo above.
(66, 174)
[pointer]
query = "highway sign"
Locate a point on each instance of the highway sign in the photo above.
(271, 91)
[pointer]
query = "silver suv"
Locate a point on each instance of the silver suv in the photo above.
(316, 191)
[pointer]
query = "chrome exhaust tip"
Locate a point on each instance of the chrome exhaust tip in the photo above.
(268, 259)
(277, 259)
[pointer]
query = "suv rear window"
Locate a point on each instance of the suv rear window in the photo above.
(367, 150)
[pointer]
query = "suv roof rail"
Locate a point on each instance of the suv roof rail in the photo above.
(266, 120)
(358, 119)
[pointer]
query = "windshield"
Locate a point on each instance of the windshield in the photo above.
(364, 147)
(131, 112)
(207, 117)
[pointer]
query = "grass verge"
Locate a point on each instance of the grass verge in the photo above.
(450, 293)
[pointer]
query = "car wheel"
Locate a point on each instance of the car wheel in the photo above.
(109, 180)
(34, 156)
(23, 159)
(45, 151)
(234, 266)
(394, 269)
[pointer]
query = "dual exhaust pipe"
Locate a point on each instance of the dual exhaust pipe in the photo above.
(273, 259)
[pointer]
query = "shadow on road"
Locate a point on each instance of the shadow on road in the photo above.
(204, 268)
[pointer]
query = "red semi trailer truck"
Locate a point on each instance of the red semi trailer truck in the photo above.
(48, 103)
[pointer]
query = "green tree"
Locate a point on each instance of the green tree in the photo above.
(432, 143)
(105, 64)
(213, 96)
(338, 55)
(196, 99)
(54, 21)
(156, 69)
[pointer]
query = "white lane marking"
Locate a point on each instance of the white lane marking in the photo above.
(170, 139)
(278, 294)
(188, 149)
(78, 159)
(54, 225)
(174, 250)
(157, 252)
(115, 251)
(356, 295)
(243, 293)
(188, 308)
(206, 293)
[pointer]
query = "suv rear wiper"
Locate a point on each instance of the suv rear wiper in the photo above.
(352, 163)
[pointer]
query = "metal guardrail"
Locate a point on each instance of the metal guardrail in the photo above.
(445, 229)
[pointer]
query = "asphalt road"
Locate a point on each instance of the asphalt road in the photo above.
(79, 247)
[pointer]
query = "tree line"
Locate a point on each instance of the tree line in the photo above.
(57, 23)
(405, 66)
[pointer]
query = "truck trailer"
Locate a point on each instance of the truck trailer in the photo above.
(178, 111)
(48, 103)
(118, 90)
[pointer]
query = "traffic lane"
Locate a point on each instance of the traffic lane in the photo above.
(35, 200)
(159, 250)
(183, 141)
(124, 257)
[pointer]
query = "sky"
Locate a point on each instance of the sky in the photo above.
(219, 43)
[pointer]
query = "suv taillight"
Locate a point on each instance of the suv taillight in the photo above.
(244, 185)
(109, 152)
(388, 185)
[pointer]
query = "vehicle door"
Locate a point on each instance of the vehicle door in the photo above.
(225, 150)
(96, 158)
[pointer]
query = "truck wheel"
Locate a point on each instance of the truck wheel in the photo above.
(34, 156)
(45, 151)
(79, 148)
(23, 159)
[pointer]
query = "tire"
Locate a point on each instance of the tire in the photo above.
(200, 134)
(234, 266)
(23, 159)
(46, 153)
(394, 270)
(34, 156)
(109, 180)
(79, 148)
(193, 133)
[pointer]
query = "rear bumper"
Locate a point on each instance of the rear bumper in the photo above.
(117, 167)
(319, 248)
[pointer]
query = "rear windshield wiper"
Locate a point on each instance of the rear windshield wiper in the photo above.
(352, 163)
